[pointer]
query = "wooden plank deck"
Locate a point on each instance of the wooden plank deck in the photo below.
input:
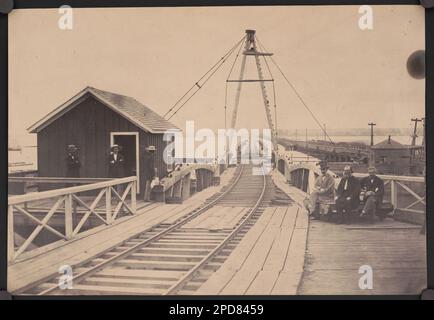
(395, 251)
(23, 273)
(218, 218)
(270, 257)
(260, 262)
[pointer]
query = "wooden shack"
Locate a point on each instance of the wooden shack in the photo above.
(94, 120)
(392, 157)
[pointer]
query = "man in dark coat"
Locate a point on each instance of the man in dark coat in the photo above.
(72, 162)
(116, 163)
(347, 195)
(149, 170)
(373, 187)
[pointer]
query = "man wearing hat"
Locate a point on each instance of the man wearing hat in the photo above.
(72, 162)
(373, 187)
(324, 190)
(347, 195)
(150, 171)
(116, 163)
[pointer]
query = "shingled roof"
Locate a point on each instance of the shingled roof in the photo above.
(128, 107)
(389, 143)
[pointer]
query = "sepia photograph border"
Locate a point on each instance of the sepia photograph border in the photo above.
(429, 104)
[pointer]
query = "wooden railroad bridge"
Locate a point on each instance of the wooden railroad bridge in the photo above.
(207, 231)
(332, 153)
(240, 234)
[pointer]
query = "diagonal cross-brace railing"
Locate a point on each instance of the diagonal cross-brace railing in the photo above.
(64, 202)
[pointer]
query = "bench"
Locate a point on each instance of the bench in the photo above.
(328, 208)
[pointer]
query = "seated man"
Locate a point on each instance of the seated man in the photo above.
(373, 187)
(324, 190)
(347, 195)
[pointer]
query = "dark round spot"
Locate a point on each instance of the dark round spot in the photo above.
(416, 64)
(6, 6)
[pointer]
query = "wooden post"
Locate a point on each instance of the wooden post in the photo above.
(134, 196)
(209, 179)
(177, 188)
(199, 181)
(108, 204)
(11, 237)
(68, 216)
(185, 194)
(181, 187)
(159, 194)
(393, 194)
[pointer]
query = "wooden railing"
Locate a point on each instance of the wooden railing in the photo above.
(177, 183)
(405, 193)
(399, 188)
(68, 203)
(24, 184)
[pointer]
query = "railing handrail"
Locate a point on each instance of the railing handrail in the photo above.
(392, 177)
(167, 182)
(56, 179)
(303, 164)
(393, 180)
(59, 192)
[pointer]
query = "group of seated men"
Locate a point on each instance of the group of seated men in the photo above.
(347, 195)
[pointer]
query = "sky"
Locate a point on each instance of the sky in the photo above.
(347, 76)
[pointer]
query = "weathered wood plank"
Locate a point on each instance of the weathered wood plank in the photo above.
(254, 263)
(216, 283)
(336, 252)
(23, 273)
(267, 276)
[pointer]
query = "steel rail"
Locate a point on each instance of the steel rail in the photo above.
(156, 237)
(176, 286)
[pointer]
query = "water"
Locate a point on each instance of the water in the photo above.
(27, 156)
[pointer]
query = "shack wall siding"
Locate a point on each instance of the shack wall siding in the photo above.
(88, 126)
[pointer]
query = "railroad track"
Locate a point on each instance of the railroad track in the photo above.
(169, 259)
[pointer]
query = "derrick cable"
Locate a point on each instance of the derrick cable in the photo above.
(275, 110)
(216, 66)
(299, 96)
(199, 87)
(274, 88)
(226, 100)
(226, 85)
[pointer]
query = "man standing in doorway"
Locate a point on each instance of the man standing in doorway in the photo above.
(347, 195)
(72, 162)
(150, 171)
(116, 166)
(116, 163)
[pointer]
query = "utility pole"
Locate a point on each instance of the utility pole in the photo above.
(415, 120)
(372, 132)
(325, 130)
(306, 138)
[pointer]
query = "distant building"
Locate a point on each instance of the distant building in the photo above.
(392, 157)
(94, 120)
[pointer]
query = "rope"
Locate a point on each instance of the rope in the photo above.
(298, 95)
(196, 85)
(226, 101)
(273, 86)
(275, 109)
(226, 85)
